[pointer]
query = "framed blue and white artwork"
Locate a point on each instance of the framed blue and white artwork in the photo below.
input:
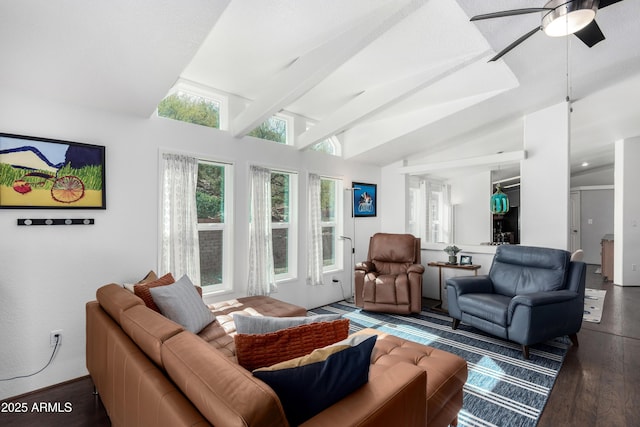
(365, 198)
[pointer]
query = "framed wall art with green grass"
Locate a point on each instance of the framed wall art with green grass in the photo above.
(45, 173)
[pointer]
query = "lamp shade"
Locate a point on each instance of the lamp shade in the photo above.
(568, 17)
(499, 201)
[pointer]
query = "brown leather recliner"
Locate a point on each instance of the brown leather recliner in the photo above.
(391, 279)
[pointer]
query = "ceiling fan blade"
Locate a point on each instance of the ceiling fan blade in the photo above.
(514, 44)
(590, 35)
(605, 3)
(510, 13)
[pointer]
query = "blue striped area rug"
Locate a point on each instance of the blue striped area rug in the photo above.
(503, 389)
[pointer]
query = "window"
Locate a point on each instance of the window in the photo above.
(284, 223)
(431, 211)
(190, 108)
(329, 146)
(438, 211)
(276, 129)
(214, 201)
(331, 204)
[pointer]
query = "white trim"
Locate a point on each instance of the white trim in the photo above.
(593, 187)
(493, 159)
(337, 225)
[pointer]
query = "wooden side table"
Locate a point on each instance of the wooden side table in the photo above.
(441, 265)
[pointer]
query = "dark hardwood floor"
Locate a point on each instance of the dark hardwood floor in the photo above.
(76, 397)
(598, 385)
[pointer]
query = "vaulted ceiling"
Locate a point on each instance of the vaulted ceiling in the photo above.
(394, 80)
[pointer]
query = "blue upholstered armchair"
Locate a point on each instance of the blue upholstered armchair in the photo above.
(530, 295)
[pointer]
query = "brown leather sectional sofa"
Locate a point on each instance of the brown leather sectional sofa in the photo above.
(149, 371)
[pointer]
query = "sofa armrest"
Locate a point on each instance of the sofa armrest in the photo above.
(470, 284)
(366, 266)
(416, 268)
(396, 397)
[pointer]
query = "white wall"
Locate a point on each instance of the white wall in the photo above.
(544, 189)
(626, 250)
(470, 197)
(599, 176)
(394, 212)
(47, 274)
(596, 220)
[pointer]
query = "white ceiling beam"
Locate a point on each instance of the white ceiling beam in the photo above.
(493, 159)
(370, 135)
(376, 99)
(310, 69)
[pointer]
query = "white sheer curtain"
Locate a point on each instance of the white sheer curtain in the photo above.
(261, 270)
(314, 250)
(438, 211)
(180, 244)
(447, 214)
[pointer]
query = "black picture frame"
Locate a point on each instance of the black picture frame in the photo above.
(465, 260)
(365, 199)
(45, 173)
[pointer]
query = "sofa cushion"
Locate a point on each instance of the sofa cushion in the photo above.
(148, 330)
(307, 385)
(224, 392)
(260, 305)
(114, 301)
(518, 270)
(258, 350)
(446, 372)
(142, 289)
(265, 324)
(181, 303)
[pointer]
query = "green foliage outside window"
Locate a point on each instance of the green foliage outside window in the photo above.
(210, 193)
(326, 146)
(327, 199)
(191, 109)
(274, 129)
(279, 197)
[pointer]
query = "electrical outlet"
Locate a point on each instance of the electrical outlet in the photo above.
(634, 267)
(55, 337)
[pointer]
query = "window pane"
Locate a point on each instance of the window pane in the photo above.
(328, 246)
(280, 197)
(328, 200)
(211, 255)
(280, 241)
(326, 146)
(274, 129)
(191, 109)
(210, 193)
(435, 216)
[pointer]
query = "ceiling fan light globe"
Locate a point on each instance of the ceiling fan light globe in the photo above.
(569, 23)
(568, 17)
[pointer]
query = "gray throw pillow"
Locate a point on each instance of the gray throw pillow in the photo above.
(181, 303)
(266, 324)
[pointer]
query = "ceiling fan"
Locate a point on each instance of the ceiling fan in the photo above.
(559, 18)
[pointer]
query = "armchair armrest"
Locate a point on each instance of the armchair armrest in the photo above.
(540, 299)
(416, 268)
(470, 284)
(365, 266)
(543, 298)
(396, 397)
